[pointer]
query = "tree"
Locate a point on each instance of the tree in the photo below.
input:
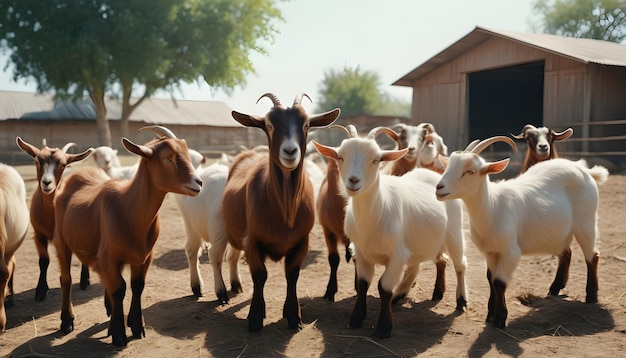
(123, 47)
(594, 19)
(357, 92)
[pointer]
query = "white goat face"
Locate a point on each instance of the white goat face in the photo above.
(48, 181)
(462, 175)
(412, 138)
(106, 158)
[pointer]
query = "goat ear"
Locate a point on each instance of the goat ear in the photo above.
(444, 161)
(26, 147)
(140, 150)
(248, 120)
(563, 135)
(71, 158)
(324, 119)
(390, 155)
(494, 167)
(325, 150)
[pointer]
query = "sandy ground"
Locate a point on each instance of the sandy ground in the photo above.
(178, 324)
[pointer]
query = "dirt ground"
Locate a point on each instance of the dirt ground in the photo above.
(178, 324)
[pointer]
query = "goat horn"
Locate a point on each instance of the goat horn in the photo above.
(378, 130)
(158, 130)
(274, 98)
(67, 147)
(348, 133)
(298, 99)
(472, 145)
(524, 130)
(487, 142)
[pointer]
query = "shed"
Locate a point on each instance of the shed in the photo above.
(493, 82)
(207, 126)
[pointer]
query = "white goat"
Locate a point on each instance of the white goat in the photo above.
(106, 159)
(203, 219)
(14, 220)
(538, 212)
(393, 221)
(424, 145)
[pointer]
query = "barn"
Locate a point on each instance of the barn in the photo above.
(207, 126)
(493, 82)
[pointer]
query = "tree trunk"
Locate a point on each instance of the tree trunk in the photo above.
(128, 108)
(104, 132)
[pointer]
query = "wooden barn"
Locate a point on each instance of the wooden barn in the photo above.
(207, 126)
(493, 82)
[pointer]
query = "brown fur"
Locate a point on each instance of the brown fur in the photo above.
(268, 209)
(42, 207)
(123, 226)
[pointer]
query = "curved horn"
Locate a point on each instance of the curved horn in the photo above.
(275, 100)
(350, 133)
(378, 130)
(487, 142)
(472, 145)
(298, 99)
(67, 147)
(523, 133)
(158, 130)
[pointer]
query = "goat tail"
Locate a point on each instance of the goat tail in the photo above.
(599, 173)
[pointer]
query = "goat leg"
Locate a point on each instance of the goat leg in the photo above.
(84, 277)
(359, 312)
(257, 306)
(562, 272)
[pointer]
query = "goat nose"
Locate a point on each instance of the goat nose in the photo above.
(439, 186)
(353, 180)
(290, 151)
(46, 181)
(199, 182)
(543, 146)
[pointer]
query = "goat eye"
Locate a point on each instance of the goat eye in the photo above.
(468, 172)
(376, 161)
(269, 127)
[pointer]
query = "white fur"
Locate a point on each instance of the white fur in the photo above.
(203, 219)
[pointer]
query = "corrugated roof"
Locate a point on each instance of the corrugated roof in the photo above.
(583, 50)
(25, 105)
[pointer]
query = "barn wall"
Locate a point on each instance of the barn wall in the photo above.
(57, 133)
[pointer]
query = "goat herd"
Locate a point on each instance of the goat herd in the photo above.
(391, 207)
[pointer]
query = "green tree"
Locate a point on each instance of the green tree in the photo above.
(357, 92)
(130, 47)
(594, 19)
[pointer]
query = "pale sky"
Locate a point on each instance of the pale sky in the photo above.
(388, 37)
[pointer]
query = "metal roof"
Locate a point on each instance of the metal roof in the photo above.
(582, 50)
(33, 106)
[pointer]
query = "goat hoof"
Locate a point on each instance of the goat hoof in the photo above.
(437, 295)
(40, 293)
(592, 298)
(84, 285)
(461, 304)
(330, 296)
(196, 291)
(398, 298)
(67, 327)
(120, 341)
(235, 287)
(222, 297)
(499, 323)
(254, 327)
(138, 333)
(383, 333)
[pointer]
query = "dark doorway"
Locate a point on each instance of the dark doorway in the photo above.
(503, 100)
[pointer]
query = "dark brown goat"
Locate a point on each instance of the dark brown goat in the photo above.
(268, 204)
(50, 164)
(540, 144)
(112, 223)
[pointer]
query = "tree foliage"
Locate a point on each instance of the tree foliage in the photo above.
(357, 92)
(126, 47)
(594, 19)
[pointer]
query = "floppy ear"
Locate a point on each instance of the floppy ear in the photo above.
(324, 119)
(80, 156)
(563, 135)
(494, 167)
(326, 151)
(140, 150)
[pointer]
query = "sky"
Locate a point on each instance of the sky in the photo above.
(387, 37)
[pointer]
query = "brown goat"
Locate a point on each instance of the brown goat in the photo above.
(110, 223)
(268, 204)
(331, 212)
(50, 164)
(540, 144)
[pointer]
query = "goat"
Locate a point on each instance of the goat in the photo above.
(50, 164)
(110, 223)
(540, 144)
(268, 204)
(13, 229)
(106, 159)
(203, 219)
(394, 221)
(331, 209)
(538, 212)
(424, 145)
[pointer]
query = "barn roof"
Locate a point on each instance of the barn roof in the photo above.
(582, 50)
(33, 106)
